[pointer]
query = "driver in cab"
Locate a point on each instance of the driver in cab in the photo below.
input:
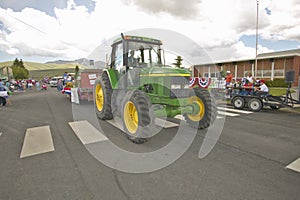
(132, 61)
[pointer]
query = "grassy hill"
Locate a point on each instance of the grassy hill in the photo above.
(31, 66)
(41, 70)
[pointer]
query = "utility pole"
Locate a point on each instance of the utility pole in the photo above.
(7, 73)
(256, 45)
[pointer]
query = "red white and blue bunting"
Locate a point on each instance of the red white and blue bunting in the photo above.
(204, 83)
(192, 82)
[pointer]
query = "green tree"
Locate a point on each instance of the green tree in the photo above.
(178, 62)
(19, 71)
(222, 73)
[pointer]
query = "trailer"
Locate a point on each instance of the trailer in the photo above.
(256, 101)
(86, 83)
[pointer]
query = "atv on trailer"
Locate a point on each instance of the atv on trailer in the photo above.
(137, 87)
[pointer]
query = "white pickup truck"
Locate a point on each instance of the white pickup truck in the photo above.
(3, 96)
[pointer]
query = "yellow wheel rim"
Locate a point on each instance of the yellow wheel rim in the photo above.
(198, 116)
(131, 117)
(99, 97)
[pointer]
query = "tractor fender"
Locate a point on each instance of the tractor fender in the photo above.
(112, 75)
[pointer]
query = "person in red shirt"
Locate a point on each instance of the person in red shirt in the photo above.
(248, 88)
(228, 79)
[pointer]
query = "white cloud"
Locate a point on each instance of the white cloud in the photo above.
(215, 25)
(284, 20)
(181, 9)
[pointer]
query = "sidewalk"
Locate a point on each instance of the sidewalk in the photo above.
(295, 95)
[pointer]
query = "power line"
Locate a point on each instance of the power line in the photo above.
(25, 23)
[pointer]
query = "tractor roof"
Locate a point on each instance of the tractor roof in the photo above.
(139, 39)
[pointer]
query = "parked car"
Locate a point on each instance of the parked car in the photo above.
(3, 95)
(53, 82)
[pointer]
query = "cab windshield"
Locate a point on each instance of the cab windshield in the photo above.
(143, 54)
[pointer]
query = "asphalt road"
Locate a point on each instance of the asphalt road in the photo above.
(248, 161)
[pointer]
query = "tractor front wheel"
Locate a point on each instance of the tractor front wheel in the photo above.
(207, 109)
(135, 115)
(103, 92)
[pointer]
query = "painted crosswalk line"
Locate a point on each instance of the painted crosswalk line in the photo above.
(86, 132)
(182, 118)
(228, 114)
(235, 110)
(37, 140)
(164, 123)
(294, 165)
(159, 122)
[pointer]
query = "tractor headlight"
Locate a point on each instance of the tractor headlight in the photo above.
(175, 86)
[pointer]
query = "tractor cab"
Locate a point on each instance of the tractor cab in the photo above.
(131, 52)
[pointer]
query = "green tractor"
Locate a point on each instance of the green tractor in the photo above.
(137, 87)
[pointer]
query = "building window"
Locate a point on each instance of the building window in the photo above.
(213, 75)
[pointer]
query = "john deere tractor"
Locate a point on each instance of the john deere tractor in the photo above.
(138, 87)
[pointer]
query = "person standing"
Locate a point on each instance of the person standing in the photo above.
(59, 85)
(65, 76)
(37, 85)
(250, 78)
(228, 79)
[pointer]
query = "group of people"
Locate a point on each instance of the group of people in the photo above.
(246, 86)
(22, 85)
(7, 87)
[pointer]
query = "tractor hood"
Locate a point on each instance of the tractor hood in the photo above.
(163, 71)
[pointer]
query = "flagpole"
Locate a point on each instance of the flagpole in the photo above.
(256, 44)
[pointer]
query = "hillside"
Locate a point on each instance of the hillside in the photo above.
(31, 66)
(54, 68)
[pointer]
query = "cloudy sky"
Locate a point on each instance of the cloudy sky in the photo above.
(41, 31)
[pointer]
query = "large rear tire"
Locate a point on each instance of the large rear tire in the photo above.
(207, 109)
(103, 92)
(135, 115)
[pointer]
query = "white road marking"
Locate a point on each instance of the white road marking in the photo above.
(235, 110)
(158, 122)
(86, 132)
(294, 165)
(228, 114)
(182, 118)
(165, 123)
(37, 140)
(179, 117)
(0, 134)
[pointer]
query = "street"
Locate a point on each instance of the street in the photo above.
(248, 161)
